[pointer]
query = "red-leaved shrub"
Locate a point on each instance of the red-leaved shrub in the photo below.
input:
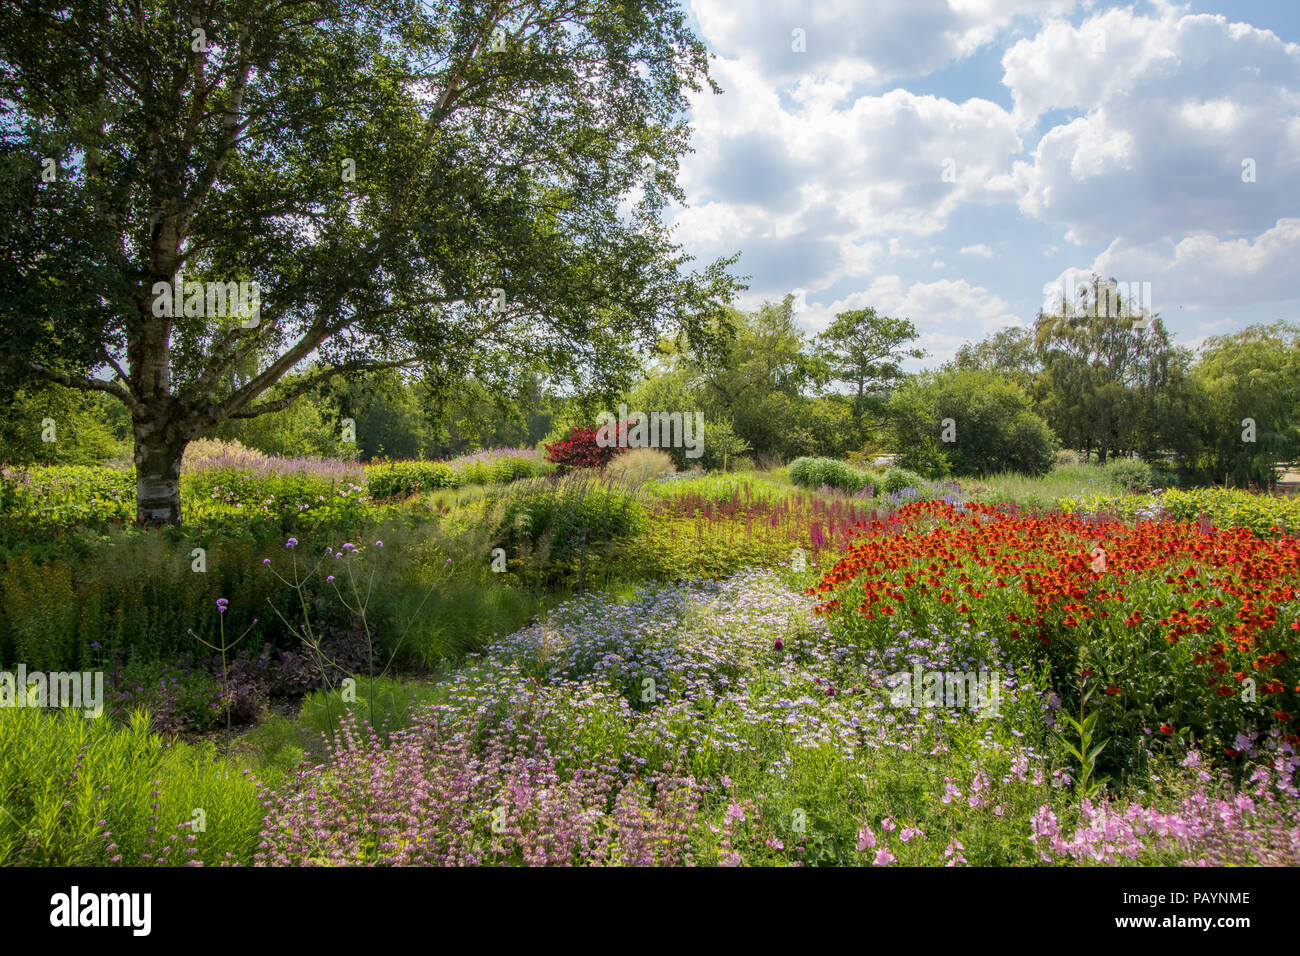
(580, 449)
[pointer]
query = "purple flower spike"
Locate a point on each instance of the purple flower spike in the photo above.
(291, 543)
(329, 579)
(266, 560)
(379, 544)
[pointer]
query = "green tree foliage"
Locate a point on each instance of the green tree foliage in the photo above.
(761, 381)
(990, 419)
(1253, 374)
(1111, 379)
(441, 184)
(1009, 352)
(80, 424)
(866, 351)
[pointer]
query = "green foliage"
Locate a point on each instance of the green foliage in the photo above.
(755, 377)
(1252, 375)
(284, 502)
(309, 426)
(138, 598)
(722, 445)
(866, 351)
(990, 419)
(76, 791)
(718, 488)
(1130, 474)
(81, 427)
(545, 522)
(1009, 353)
(816, 472)
(1043, 492)
(896, 479)
(1111, 380)
(400, 479)
(389, 700)
(1221, 507)
(926, 457)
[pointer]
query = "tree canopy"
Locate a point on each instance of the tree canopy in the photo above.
(470, 188)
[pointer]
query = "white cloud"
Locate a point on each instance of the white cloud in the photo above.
(1132, 155)
(1210, 271)
(1168, 113)
(845, 42)
(814, 195)
(946, 312)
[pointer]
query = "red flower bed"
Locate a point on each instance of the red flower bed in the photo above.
(1188, 626)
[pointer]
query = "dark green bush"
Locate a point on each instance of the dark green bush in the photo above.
(400, 479)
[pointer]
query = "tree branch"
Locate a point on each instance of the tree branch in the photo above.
(311, 381)
(87, 384)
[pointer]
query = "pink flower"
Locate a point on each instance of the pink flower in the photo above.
(866, 838)
(884, 858)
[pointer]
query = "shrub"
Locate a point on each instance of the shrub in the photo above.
(639, 465)
(815, 472)
(581, 450)
(926, 458)
(401, 479)
(897, 479)
(498, 466)
(1130, 474)
(996, 427)
(545, 521)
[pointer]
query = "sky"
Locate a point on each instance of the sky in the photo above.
(948, 160)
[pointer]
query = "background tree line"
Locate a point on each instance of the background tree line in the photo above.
(1103, 385)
